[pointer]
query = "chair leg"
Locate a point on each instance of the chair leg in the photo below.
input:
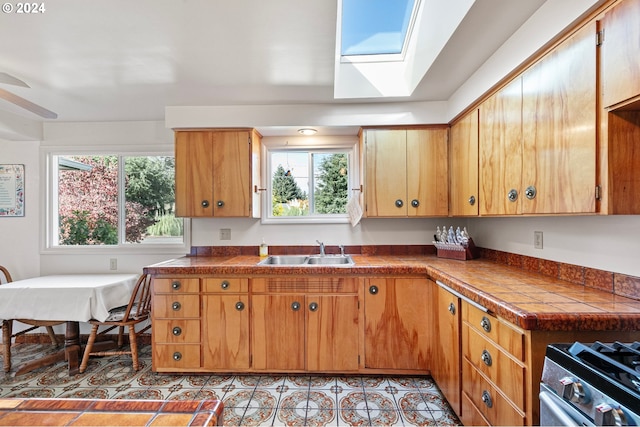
(133, 342)
(52, 335)
(7, 331)
(87, 350)
(120, 336)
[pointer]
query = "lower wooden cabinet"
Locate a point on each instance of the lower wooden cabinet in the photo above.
(396, 312)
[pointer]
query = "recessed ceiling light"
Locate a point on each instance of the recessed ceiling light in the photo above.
(307, 131)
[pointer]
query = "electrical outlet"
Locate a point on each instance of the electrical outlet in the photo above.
(113, 264)
(537, 239)
(225, 234)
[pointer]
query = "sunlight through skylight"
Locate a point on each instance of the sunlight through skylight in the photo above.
(375, 27)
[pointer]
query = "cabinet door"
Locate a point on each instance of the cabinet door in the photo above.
(446, 368)
(620, 53)
(396, 324)
(559, 129)
(194, 177)
(332, 333)
(278, 340)
(232, 174)
(385, 174)
(226, 331)
(427, 172)
(464, 166)
(501, 151)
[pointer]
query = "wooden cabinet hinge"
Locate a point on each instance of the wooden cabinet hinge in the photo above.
(600, 37)
(598, 191)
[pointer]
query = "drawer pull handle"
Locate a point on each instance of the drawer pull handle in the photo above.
(472, 200)
(177, 331)
(176, 306)
(177, 356)
(530, 192)
(295, 306)
(204, 203)
(486, 398)
(486, 324)
(373, 290)
(175, 285)
(399, 203)
(512, 195)
(224, 284)
(415, 203)
(313, 306)
(486, 358)
(239, 306)
(452, 308)
(220, 203)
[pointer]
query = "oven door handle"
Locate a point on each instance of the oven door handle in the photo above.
(559, 414)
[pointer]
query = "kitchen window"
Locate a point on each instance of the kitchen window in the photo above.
(309, 184)
(112, 200)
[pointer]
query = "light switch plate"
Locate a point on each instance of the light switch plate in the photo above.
(225, 234)
(537, 239)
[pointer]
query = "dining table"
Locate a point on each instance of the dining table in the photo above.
(69, 298)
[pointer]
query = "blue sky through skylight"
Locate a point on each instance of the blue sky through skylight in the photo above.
(373, 27)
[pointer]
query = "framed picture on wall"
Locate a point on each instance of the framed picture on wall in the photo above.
(11, 190)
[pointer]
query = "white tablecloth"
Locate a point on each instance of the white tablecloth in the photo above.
(75, 297)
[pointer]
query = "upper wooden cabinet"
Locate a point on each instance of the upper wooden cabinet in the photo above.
(215, 173)
(406, 172)
(538, 135)
(463, 182)
(620, 52)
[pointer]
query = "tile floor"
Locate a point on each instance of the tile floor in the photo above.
(267, 400)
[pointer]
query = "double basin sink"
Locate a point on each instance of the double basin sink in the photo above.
(308, 260)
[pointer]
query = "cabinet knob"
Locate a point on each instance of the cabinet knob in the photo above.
(486, 398)
(486, 358)
(415, 203)
(205, 203)
(177, 356)
(373, 290)
(530, 192)
(177, 331)
(486, 324)
(472, 200)
(176, 306)
(313, 306)
(399, 203)
(224, 284)
(175, 285)
(512, 195)
(452, 308)
(220, 203)
(239, 306)
(295, 306)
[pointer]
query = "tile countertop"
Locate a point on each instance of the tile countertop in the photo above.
(529, 300)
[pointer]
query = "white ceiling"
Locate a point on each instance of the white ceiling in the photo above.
(112, 60)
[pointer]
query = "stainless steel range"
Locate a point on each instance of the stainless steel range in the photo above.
(591, 384)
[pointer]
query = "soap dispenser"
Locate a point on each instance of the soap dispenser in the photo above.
(264, 249)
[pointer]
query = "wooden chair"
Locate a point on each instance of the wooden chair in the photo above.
(137, 311)
(7, 326)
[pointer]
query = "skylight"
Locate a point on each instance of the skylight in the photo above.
(375, 27)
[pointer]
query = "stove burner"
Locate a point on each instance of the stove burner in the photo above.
(617, 360)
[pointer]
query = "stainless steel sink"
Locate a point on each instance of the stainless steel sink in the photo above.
(308, 260)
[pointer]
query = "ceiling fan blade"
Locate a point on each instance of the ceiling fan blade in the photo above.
(27, 105)
(9, 79)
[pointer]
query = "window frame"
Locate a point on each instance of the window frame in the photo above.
(49, 203)
(313, 144)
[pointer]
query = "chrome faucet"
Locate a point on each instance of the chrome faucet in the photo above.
(341, 250)
(321, 247)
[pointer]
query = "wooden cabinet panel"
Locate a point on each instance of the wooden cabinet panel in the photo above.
(620, 53)
(500, 153)
(559, 128)
(177, 331)
(471, 416)
(176, 306)
(427, 172)
(445, 366)
(176, 357)
(463, 146)
(226, 332)
(332, 333)
(493, 328)
(278, 332)
(224, 285)
(194, 180)
(624, 162)
(232, 174)
(386, 166)
(178, 285)
(397, 324)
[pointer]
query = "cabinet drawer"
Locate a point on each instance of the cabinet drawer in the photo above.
(499, 331)
(491, 404)
(176, 285)
(502, 370)
(471, 416)
(176, 356)
(221, 285)
(304, 285)
(176, 331)
(176, 306)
